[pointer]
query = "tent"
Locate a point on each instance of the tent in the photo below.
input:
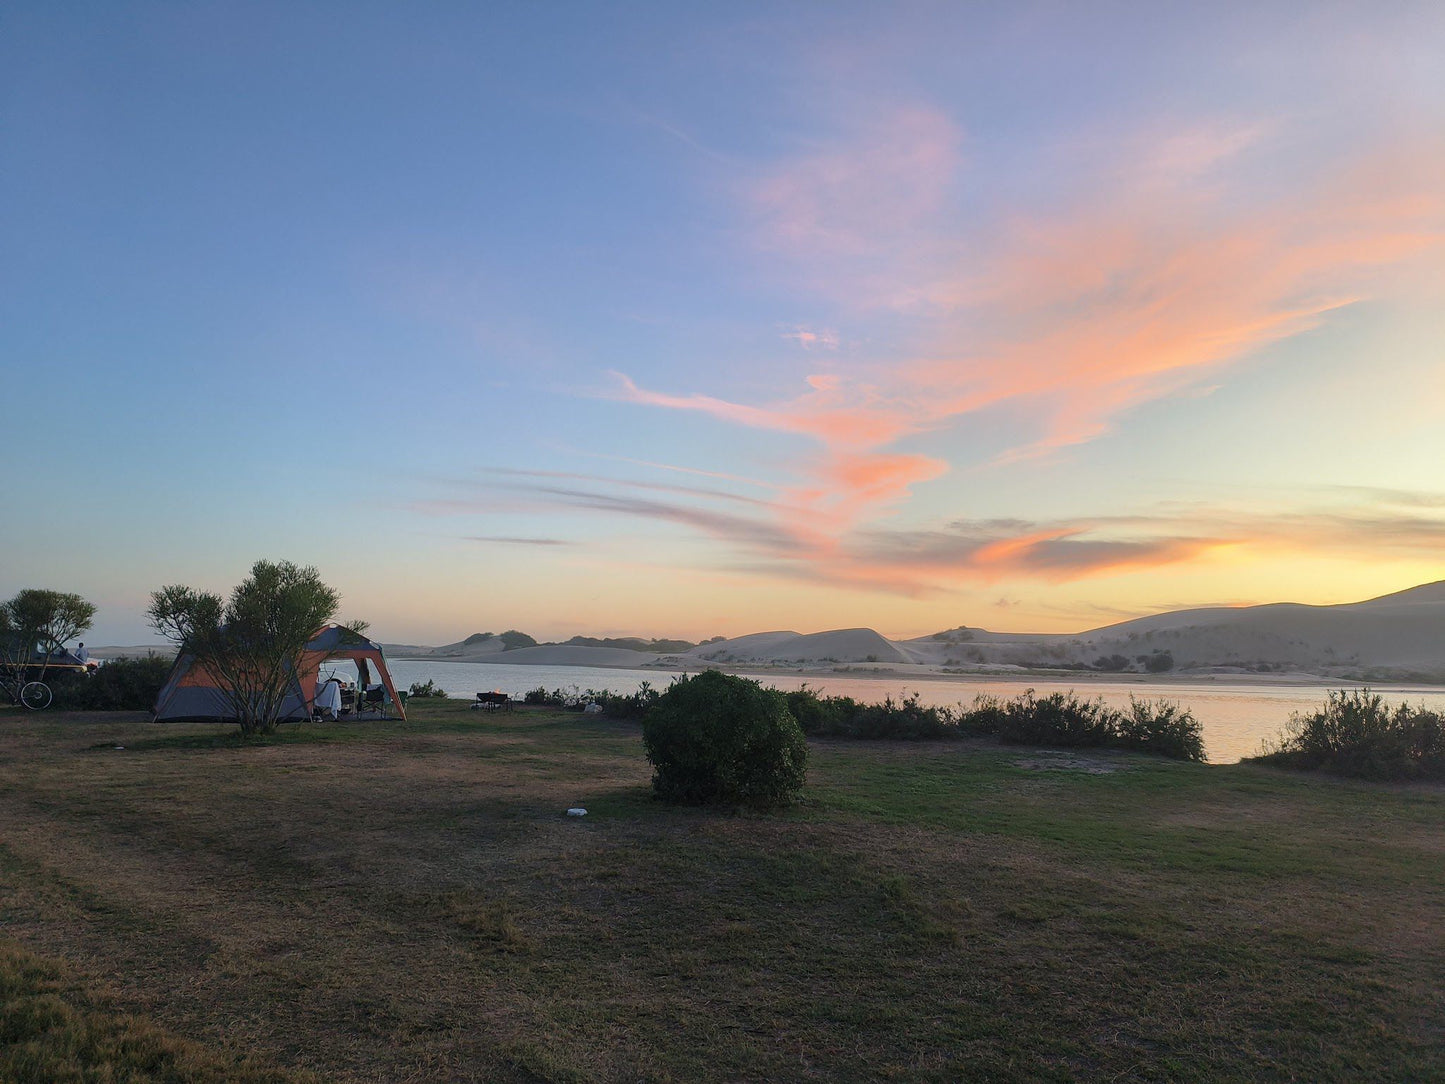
(192, 694)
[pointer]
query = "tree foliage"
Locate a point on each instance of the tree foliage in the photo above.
(40, 618)
(251, 643)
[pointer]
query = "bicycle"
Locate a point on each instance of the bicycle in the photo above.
(34, 695)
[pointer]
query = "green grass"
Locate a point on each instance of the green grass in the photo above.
(393, 901)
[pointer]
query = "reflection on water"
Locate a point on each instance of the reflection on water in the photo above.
(1236, 718)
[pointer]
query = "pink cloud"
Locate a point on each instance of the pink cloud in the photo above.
(1153, 286)
(809, 339)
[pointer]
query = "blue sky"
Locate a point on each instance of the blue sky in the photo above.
(657, 320)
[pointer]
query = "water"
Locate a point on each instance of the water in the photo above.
(1236, 718)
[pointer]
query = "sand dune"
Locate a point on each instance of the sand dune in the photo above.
(842, 645)
(573, 655)
(1398, 637)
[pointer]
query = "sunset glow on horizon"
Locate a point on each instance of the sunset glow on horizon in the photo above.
(649, 321)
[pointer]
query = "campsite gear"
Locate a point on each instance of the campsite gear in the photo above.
(193, 695)
(373, 700)
(328, 698)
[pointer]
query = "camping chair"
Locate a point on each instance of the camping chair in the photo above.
(373, 701)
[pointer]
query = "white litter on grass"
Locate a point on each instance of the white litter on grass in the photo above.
(120, 746)
(576, 812)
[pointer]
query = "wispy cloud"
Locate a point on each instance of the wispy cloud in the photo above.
(809, 338)
(526, 481)
(870, 192)
(509, 541)
(982, 552)
(675, 131)
(722, 476)
(1148, 284)
(750, 532)
(973, 552)
(745, 522)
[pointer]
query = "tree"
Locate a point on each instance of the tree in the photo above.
(45, 619)
(252, 643)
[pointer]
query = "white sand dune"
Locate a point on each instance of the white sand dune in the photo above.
(1398, 637)
(842, 645)
(494, 650)
(1393, 635)
(572, 655)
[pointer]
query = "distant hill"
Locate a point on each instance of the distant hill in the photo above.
(1400, 636)
(1396, 637)
(633, 643)
(520, 648)
(843, 645)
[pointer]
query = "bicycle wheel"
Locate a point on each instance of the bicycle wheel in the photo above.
(35, 695)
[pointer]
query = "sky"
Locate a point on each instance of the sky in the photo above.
(685, 320)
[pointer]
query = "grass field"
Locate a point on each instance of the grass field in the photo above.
(408, 902)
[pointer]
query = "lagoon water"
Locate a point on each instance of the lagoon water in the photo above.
(1236, 718)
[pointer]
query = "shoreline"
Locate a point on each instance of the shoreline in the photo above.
(885, 671)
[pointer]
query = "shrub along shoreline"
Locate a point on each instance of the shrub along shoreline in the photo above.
(1356, 734)
(1059, 719)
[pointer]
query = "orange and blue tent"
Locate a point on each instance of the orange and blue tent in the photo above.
(193, 694)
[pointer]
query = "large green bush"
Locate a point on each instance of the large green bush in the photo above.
(1065, 719)
(1356, 734)
(118, 685)
(720, 738)
(1056, 719)
(1160, 727)
(903, 719)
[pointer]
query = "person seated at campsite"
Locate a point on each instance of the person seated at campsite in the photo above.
(81, 653)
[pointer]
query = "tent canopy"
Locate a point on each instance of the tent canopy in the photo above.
(192, 694)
